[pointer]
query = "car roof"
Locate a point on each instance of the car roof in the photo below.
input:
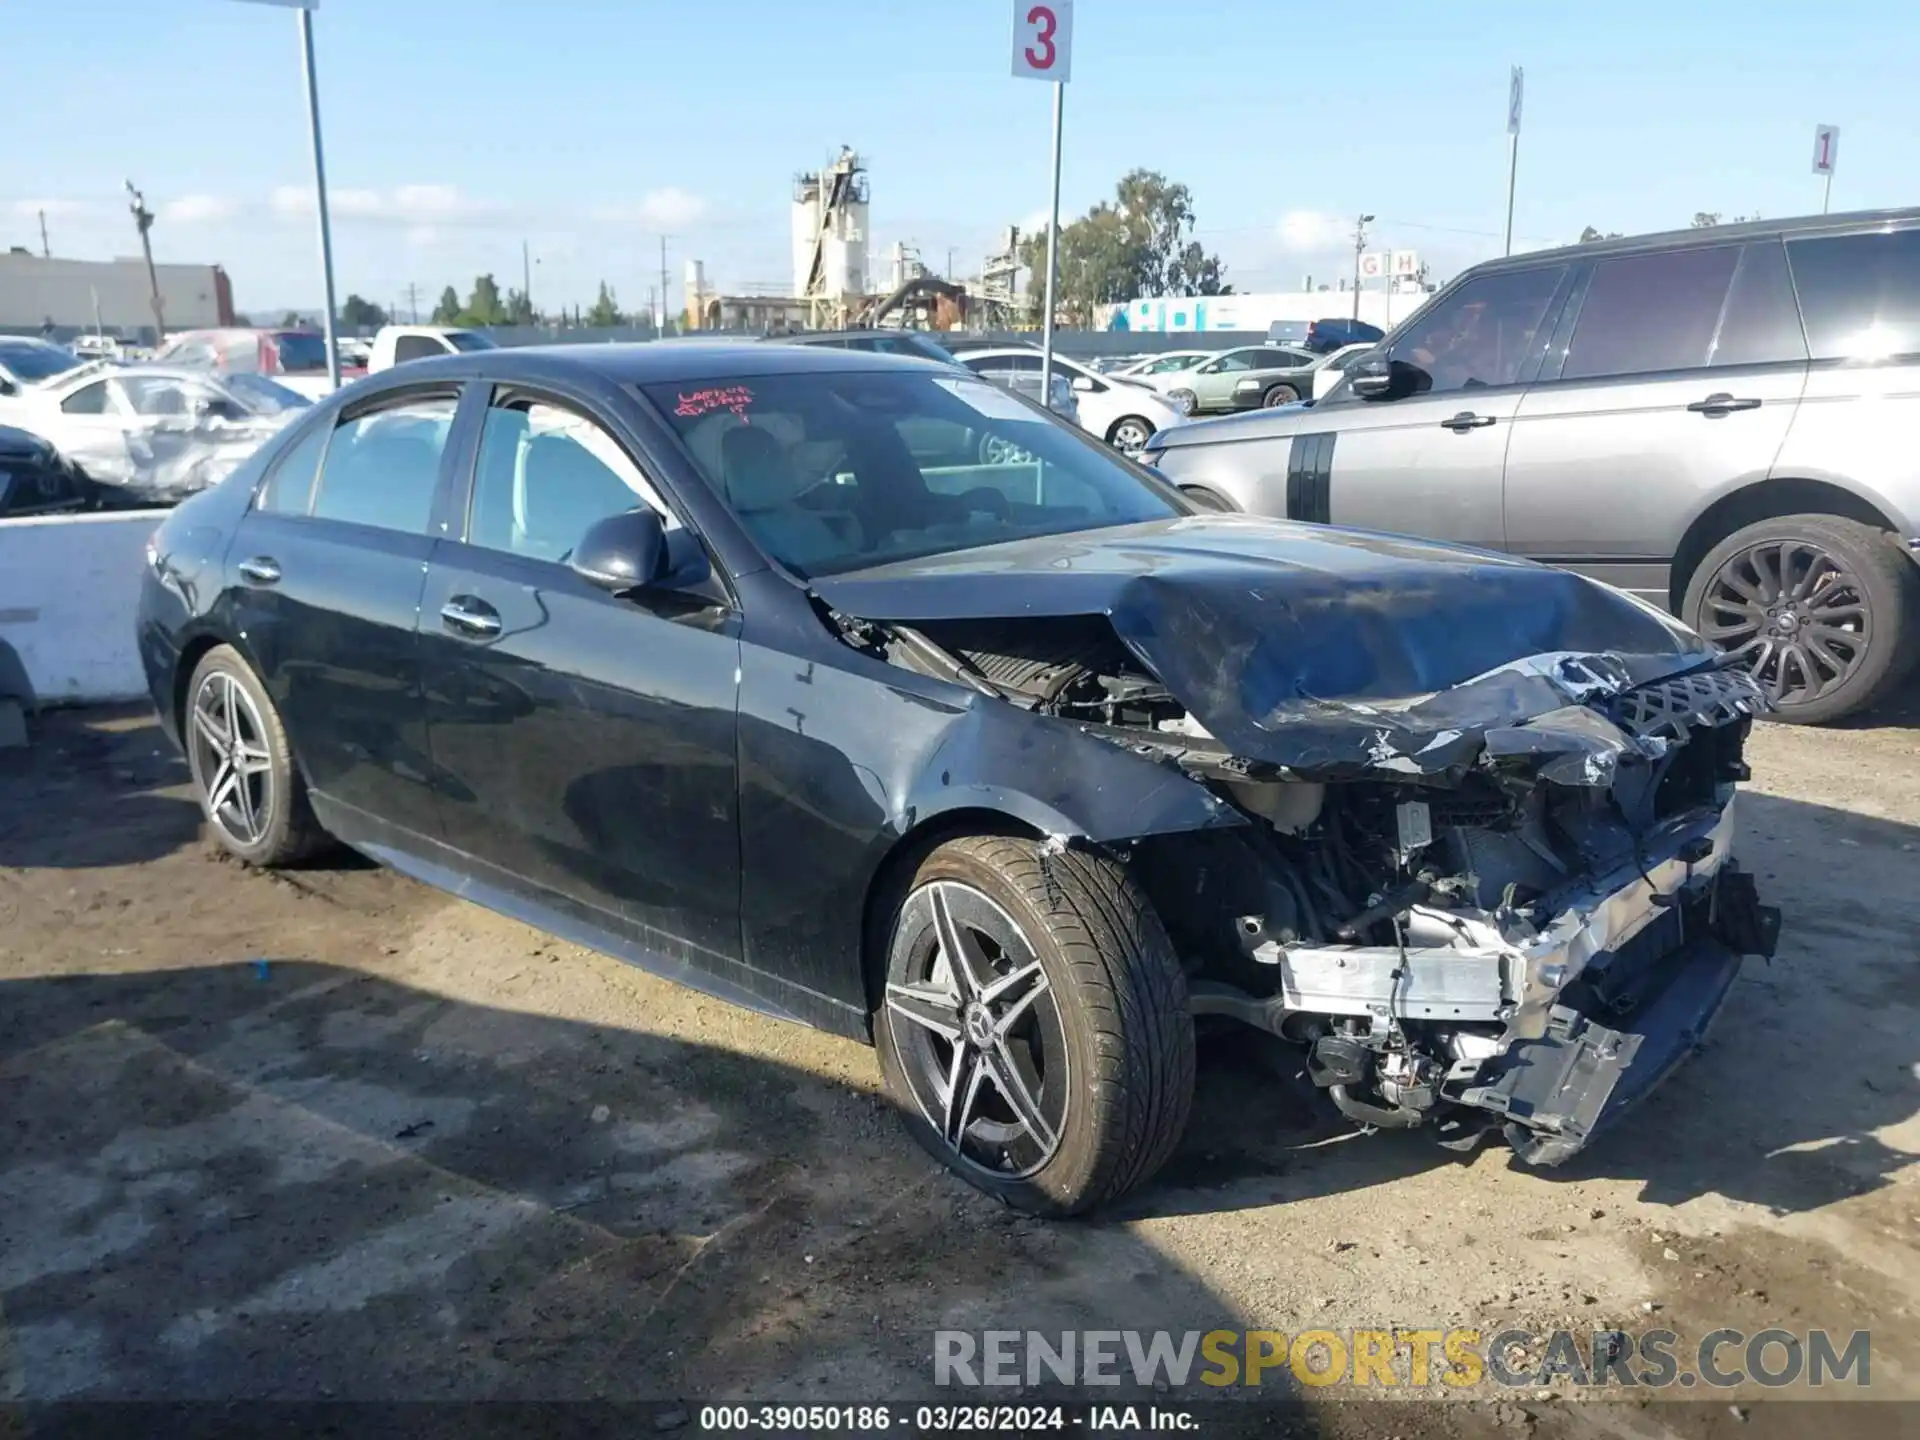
(651, 362)
(1797, 226)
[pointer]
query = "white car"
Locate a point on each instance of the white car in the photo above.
(1165, 362)
(1332, 370)
(158, 432)
(1124, 413)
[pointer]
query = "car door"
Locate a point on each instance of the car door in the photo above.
(1677, 380)
(585, 743)
(324, 578)
(1430, 460)
(90, 430)
(1212, 381)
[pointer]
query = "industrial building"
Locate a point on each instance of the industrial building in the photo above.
(114, 296)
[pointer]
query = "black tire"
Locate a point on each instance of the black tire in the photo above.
(1279, 395)
(1208, 499)
(1130, 433)
(1109, 1056)
(1826, 654)
(283, 830)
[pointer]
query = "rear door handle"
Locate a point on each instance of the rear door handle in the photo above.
(1720, 403)
(1466, 420)
(469, 615)
(260, 570)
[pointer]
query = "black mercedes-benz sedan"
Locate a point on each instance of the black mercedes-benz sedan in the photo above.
(855, 690)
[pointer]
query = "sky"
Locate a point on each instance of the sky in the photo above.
(456, 130)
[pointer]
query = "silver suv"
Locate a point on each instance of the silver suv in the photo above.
(1725, 422)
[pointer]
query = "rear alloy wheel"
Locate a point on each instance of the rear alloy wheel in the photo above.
(1185, 401)
(1820, 609)
(1280, 395)
(250, 791)
(1130, 435)
(1034, 1027)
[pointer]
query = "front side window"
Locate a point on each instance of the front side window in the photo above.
(1649, 313)
(382, 467)
(1232, 360)
(1486, 333)
(159, 395)
(837, 472)
(544, 474)
(1859, 294)
(87, 400)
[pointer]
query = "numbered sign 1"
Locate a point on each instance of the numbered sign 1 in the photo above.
(1826, 147)
(1043, 39)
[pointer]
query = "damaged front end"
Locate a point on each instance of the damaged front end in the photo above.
(1508, 902)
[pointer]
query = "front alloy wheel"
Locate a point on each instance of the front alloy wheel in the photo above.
(1032, 1024)
(1131, 435)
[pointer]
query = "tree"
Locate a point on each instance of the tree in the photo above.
(362, 314)
(520, 309)
(484, 306)
(605, 313)
(1590, 234)
(1705, 219)
(290, 320)
(447, 312)
(1139, 243)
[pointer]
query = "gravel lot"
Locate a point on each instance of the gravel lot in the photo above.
(332, 1134)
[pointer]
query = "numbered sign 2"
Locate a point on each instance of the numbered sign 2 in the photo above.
(1043, 39)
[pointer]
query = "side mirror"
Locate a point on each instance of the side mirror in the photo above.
(1083, 383)
(623, 552)
(1375, 377)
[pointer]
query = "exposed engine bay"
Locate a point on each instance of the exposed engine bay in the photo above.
(1512, 903)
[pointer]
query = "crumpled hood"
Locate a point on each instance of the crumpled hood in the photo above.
(1323, 649)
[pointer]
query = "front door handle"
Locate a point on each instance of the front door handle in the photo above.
(1466, 420)
(470, 616)
(1720, 403)
(260, 570)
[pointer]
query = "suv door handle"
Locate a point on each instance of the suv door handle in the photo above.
(1720, 403)
(260, 570)
(470, 616)
(1466, 420)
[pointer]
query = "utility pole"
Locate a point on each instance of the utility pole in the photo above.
(413, 303)
(143, 221)
(663, 285)
(1359, 245)
(526, 279)
(46, 250)
(950, 250)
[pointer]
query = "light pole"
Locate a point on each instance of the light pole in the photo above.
(1359, 244)
(143, 222)
(306, 9)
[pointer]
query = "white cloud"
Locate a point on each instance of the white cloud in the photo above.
(197, 209)
(666, 209)
(417, 206)
(1309, 231)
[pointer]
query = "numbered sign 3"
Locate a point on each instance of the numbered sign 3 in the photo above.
(1043, 39)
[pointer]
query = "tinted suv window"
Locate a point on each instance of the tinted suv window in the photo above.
(1859, 294)
(382, 467)
(544, 475)
(1651, 312)
(416, 347)
(1761, 325)
(1487, 332)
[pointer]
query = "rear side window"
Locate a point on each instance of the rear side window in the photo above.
(416, 347)
(1859, 294)
(289, 487)
(1645, 313)
(1761, 325)
(382, 468)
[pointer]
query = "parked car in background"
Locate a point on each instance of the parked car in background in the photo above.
(295, 358)
(1720, 421)
(105, 347)
(34, 479)
(1165, 362)
(152, 433)
(917, 345)
(1326, 336)
(396, 344)
(1333, 368)
(1124, 413)
(1250, 376)
(738, 663)
(25, 363)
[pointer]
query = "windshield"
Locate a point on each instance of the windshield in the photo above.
(467, 340)
(261, 396)
(301, 350)
(35, 360)
(841, 471)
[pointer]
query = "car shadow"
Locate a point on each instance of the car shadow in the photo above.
(88, 794)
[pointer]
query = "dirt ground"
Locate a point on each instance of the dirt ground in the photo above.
(334, 1135)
